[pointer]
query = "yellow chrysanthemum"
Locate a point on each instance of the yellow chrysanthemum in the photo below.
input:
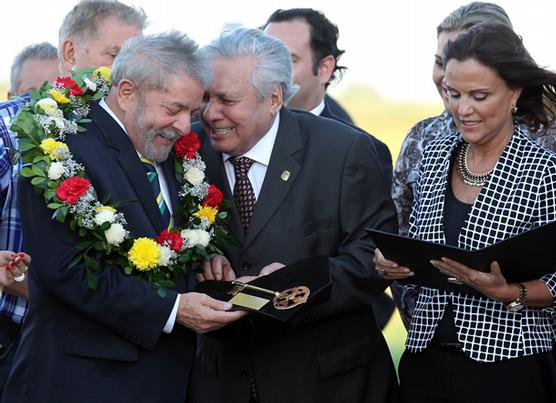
(56, 150)
(144, 254)
(59, 97)
(207, 212)
(103, 72)
(105, 208)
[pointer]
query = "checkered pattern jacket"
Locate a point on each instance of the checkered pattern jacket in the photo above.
(520, 195)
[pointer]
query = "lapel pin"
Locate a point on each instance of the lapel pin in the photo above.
(285, 175)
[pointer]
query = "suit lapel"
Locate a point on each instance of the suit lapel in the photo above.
(128, 159)
(282, 172)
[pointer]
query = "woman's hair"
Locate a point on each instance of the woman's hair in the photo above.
(498, 47)
(473, 14)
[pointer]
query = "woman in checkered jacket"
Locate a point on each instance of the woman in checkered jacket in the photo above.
(477, 186)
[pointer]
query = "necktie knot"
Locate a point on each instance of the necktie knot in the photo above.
(242, 165)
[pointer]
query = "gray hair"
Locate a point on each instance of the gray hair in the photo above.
(38, 51)
(150, 61)
(272, 60)
(83, 20)
(473, 14)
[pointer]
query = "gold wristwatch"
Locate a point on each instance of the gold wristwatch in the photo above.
(519, 303)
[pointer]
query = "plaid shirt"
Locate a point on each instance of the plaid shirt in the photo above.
(11, 237)
(519, 196)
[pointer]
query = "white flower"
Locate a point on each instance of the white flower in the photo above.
(90, 85)
(55, 171)
(196, 237)
(59, 122)
(116, 234)
(49, 106)
(204, 237)
(194, 176)
(166, 255)
(103, 216)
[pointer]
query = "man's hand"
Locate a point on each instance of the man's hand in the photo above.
(218, 268)
(203, 314)
(271, 268)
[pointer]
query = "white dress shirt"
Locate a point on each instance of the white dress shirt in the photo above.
(318, 110)
(260, 153)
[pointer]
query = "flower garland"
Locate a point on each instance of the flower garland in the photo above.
(56, 111)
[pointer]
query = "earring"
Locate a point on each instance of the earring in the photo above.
(514, 109)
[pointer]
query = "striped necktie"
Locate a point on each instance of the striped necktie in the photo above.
(152, 176)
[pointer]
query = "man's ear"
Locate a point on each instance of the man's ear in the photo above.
(68, 55)
(326, 69)
(127, 95)
(276, 99)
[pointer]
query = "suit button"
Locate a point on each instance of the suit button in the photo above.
(244, 374)
(245, 266)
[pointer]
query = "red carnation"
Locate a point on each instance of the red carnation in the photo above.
(66, 82)
(171, 239)
(214, 197)
(187, 145)
(72, 189)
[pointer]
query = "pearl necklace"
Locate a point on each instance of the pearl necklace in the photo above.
(467, 176)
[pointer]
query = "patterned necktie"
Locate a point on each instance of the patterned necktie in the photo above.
(152, 176)
(244, 195)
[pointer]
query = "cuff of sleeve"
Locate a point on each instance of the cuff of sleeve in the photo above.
(169, 326)
(550, 281)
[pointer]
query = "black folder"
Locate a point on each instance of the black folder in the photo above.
(523, 257)
(312, 273)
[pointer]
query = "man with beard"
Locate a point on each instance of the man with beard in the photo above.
(121, 341)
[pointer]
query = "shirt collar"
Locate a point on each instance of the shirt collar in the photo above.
(105, 106)
(318, 110)
(261, 151)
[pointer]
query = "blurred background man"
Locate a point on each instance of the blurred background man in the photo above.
(312, 40)
(34, 65)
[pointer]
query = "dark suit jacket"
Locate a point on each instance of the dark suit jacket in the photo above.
(337, 109)
(383, 305)
(334, 352)
(103, 345)
(385, 158)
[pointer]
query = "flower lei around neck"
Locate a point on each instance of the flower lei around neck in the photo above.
(56, 111)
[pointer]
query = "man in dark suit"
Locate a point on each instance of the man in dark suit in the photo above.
(313, 42)
(312, 187)
(120, 342)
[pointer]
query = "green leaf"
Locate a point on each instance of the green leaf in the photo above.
(84, 244)
(37, 180)
(26, 145)
(223, 215)
(61, 214)
(81, 129)
(92, 281)
(37, 171)
(75, 261)
(53, 205)
(91, 263)
(99, 246)
(26, 172)
(128, 270)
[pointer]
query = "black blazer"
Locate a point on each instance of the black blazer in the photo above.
(103, 345)
(337, 109)
(335, 352)
(385, 158)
